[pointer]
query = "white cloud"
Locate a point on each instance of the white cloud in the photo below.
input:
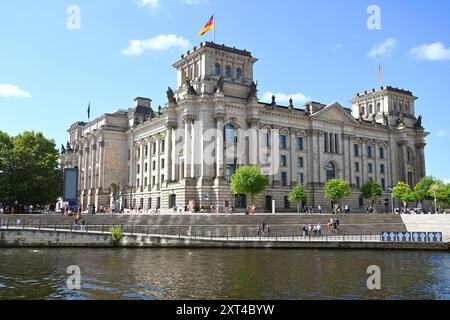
(193, 2)
(12, 91)
(446, 181)
(153, 4)
(159, 43)
(432, 52)
(383, 49)
(442, 133)
(299, 98)
(340, 46)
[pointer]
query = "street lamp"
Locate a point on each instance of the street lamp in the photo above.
(392, 199)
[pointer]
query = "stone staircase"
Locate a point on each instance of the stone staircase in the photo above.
(233, 225)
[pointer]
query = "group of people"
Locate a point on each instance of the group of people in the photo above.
(250, 209)
(333, 225)
(263, 229)
(311, 230)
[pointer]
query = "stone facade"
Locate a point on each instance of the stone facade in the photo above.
(213, 123)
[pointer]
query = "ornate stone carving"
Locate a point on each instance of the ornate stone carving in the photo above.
(253, 90)
(171, 96)
(220, 84)
(418, 124)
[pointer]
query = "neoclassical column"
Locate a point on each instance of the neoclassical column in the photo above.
(293, 157)
(92, 165)
(219, 145)
(158, 162)
(253, 142)
(194, 151)
(168, 154)
(420, 160)
(86, 168)
(363, 161)
(101, 167)
(275, 154)
(187, 147)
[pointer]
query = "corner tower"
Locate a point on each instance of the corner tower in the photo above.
(203, 67)
(385, 104)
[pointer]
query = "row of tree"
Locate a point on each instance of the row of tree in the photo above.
(250, 181)
(29, 171)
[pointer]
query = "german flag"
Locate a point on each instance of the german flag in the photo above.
(208, 27)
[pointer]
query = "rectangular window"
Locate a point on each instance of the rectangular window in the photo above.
(369, 152)
(356, 166)
(162, 163)
(300, 179)
(138, 169)
(138, 182)
(300, 162)
(153, 180)
(369, 168)
(146, 182)
(146, 150)
(162, 178)
(356, 150)
(283, 161)
(358, 184)
(284, 178)
(154, 165)
(336, 143)
(326, 142)
(300, 143)
(154, 148)
(381, 153)
(146, 167)
(129, 154)
(382, 169)
(283, 142)
(138, 153)
(265, 139)
(383, 183)
(163, 145)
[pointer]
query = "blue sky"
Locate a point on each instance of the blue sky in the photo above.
(321, 50)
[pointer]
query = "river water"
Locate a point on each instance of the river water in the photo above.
(222, 274)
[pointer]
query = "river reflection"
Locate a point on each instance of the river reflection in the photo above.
(222, 274)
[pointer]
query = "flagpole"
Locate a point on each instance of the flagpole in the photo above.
(215, 24)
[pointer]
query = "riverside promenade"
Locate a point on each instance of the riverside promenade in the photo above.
(222, 231)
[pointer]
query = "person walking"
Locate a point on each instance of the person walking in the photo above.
(319, 207)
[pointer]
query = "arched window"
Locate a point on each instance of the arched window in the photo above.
(228, 72)
(331, 170)
(395, 107)
(363, 110)
(370, 109)
(378, 107)
(238, 74)
(217, 70)
(407, 107)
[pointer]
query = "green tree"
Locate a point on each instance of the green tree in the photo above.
(422, 189)
(403, 192)
(441, 192)
(298, 194)
(30, 173)
(249, 180)
(336, 189)
(371, 190)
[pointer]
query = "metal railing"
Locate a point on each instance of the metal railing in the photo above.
(200, 233)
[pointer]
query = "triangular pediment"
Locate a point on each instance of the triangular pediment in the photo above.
(334, 112)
